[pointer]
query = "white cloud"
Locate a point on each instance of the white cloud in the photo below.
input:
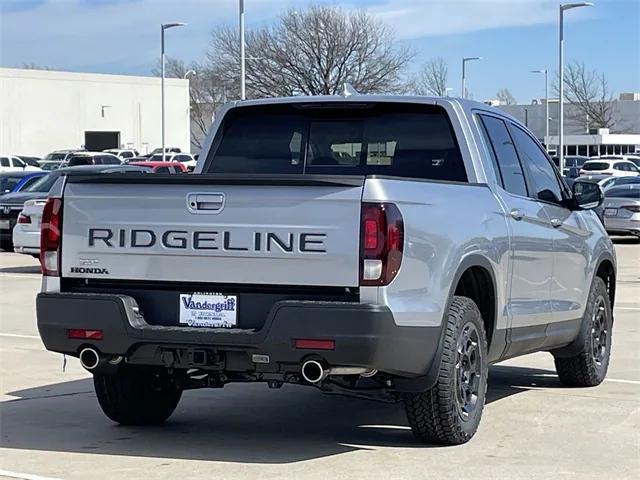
(422, 18)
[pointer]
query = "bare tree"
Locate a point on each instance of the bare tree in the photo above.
(312, 52)
(588, 93)
(505, 97)
(207, 92)
(34, 66)
(433, 78)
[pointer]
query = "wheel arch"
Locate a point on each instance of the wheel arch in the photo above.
(475, 266)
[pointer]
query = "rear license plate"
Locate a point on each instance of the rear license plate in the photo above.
(211, 310)
(5, 224)
(610, 212)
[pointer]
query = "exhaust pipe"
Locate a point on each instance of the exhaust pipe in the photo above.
(314, 371)
(89, 358)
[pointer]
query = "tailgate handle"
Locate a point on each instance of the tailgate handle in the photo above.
(205, 202)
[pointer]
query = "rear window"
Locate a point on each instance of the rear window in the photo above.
(595, 166)
(624, 192)
(359, 139)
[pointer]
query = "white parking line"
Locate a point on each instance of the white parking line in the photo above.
(620, 380)
(24, 476)
(626, 308)
(15, 335)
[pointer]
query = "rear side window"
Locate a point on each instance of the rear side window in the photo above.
(415, 141)
(510, 169)
(163, 170)
(595, 166)
(4, 162)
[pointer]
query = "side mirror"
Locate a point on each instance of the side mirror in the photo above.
(587, 195)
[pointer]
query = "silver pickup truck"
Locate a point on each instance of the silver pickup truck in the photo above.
(384, 247)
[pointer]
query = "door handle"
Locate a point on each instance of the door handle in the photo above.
(556, 222)
(205, 202)
(517, 214)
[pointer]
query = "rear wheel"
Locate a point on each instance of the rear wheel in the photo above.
(450, 412)
(588, 367)
(136, 395)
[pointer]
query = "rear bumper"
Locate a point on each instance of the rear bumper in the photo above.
(26, 241)
(364, 335)
(622, 225)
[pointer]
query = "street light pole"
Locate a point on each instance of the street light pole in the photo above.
(243, 90)
(546, 100)
(463, 93)
(163, 27)
(563, 7)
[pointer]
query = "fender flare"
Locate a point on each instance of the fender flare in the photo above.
(427, 381)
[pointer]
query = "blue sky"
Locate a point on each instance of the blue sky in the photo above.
(513, 36)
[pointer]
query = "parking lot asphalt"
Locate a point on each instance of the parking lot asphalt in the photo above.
(533, 428)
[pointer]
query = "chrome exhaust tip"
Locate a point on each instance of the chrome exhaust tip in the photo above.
(313, 371)
(89, 358)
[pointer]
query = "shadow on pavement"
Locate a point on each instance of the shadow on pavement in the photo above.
(630, 240)
(29, 269)
(240, 423)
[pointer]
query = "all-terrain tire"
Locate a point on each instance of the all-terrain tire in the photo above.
(588, 367)
(136, 395)
(436, 416)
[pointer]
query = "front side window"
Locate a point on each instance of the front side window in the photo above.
(545, 185)
(510, 169)
(17, 162)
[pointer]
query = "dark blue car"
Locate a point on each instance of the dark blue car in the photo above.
(11, 182)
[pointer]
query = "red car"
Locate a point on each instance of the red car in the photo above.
(162, 167)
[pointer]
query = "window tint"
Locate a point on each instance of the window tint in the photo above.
(624, 192)
(595, 166)
(364, 139)
(182, 158)
(28, 183)
(126, 154)
(545, 185)
(163, 170)
(17, 162)
(510, 169)
(80, 160)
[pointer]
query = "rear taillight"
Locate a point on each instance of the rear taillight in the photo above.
(22, 218)
(381, 243)
(50, 236)
(632, 208)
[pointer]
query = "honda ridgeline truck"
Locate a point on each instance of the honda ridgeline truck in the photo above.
(387, 247)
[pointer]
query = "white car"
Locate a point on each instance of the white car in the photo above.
(124, 154)
(184, 158)
(26, 233)
(11, 163)
(607, 166)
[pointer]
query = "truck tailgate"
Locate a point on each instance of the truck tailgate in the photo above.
(213, 229)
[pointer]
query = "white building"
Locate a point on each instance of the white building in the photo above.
(42, 110)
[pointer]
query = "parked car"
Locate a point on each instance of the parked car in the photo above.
(11, 163)
(61, 155)
(92, 158)
(12, 204)
(394, 255)
(609, 167)
(29, 160)
(122, 154)
(185, 158)
(572, 165)
(622, 210)
(49, 165)
(162, 167)
(18, 181)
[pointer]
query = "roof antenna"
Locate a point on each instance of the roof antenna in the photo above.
(348, 90)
